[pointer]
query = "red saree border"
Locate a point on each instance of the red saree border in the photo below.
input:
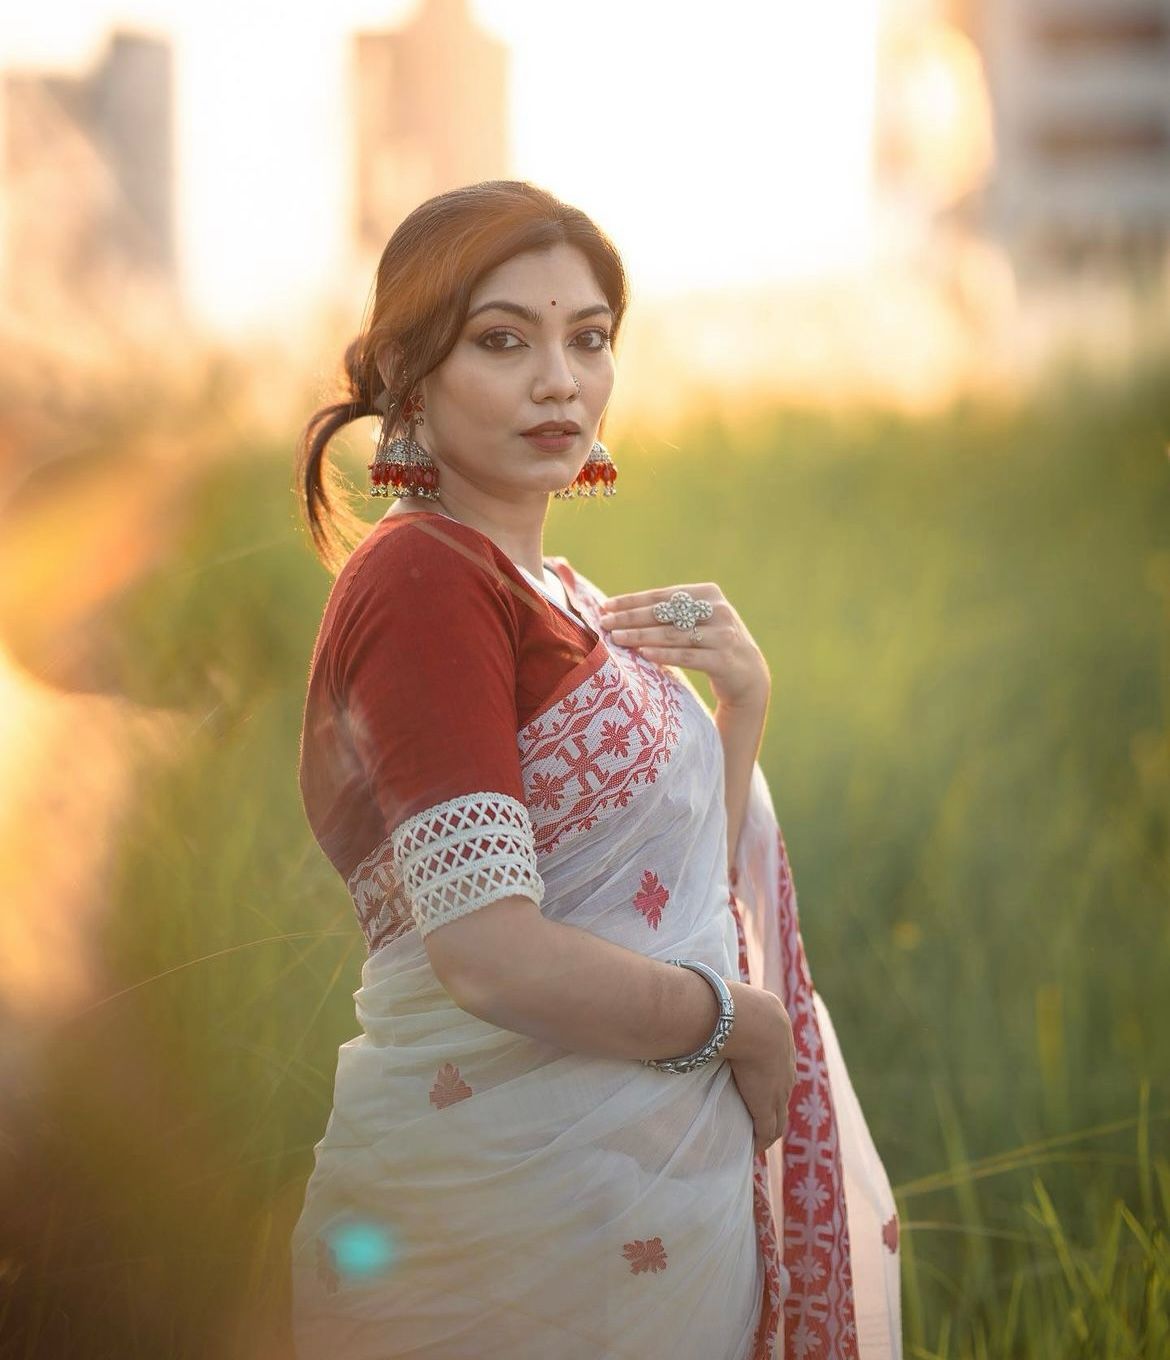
(819, 1320)
(818, 1312)
(769, 1322)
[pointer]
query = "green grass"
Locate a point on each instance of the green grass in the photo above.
(967, 618)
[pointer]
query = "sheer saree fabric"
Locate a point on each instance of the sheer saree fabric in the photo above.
(479, 1194)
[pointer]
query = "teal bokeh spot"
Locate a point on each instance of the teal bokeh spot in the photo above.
(362, 1249)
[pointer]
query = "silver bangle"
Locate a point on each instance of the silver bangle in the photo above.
(719, 1035)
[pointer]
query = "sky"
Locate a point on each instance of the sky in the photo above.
(719, 145)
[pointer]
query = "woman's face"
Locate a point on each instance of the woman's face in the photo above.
(509, 371)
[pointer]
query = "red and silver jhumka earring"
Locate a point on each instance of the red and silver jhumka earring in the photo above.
(598, 470)
(403, 467)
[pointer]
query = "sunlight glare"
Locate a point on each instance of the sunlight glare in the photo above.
(718, 146)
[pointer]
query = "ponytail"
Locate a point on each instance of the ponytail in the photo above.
(323, 493)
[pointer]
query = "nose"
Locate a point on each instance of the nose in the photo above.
(555, 379)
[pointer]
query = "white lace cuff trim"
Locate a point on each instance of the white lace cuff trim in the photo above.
(464, 853)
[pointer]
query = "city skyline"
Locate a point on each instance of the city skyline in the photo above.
(699, 164)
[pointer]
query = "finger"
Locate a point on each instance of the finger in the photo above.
(698, 656)
(657, 635)
(642, 616)
(647, 599)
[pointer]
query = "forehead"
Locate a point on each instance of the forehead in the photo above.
(536, 277)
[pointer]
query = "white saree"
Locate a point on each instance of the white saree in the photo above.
(479, 1194)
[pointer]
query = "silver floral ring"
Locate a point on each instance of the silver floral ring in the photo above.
(684, 611)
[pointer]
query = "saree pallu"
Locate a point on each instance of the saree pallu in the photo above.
(477, 1193)
(841, 1273)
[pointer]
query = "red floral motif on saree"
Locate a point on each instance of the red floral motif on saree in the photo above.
(615, 738)
(585, 757)
(890, 1233)
(449, 1087)
(547, 791)
(651, 897)
(379, 899)
(645, 1255)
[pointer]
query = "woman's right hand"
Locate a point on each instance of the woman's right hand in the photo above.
(762, 1056)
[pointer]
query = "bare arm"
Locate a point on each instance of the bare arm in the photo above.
(741, 729)
(511, 966)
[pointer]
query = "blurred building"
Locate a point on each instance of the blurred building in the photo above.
(89, 184)
(1080, 98)
(431, 111)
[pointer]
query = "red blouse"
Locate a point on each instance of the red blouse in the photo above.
(433, 651)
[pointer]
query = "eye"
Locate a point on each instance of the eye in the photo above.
(602, 343)
(493, 334)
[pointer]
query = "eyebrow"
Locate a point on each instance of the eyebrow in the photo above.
(530, 314)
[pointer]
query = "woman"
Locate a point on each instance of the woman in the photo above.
(569, 875)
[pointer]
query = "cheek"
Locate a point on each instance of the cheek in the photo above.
(477, 390)
(602, 390)
(478, 412)
(459, 397)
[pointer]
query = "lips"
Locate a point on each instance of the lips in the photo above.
(553, 427)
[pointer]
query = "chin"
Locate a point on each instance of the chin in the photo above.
(555, 473)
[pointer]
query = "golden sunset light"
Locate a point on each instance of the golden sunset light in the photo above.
(719, 145)
(389, 390)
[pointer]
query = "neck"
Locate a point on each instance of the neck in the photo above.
(511, 528)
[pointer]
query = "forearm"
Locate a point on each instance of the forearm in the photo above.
(741, 729)
(573, 989)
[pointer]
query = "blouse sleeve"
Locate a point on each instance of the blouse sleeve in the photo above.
(426, 678)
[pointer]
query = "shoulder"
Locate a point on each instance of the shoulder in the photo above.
(424, 578)
(421, 558)
(421, 544)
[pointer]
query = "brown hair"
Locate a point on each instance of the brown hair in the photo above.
(422, 291)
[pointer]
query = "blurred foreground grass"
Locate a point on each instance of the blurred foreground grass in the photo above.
(967, 619)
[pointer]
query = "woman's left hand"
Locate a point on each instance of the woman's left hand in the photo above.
(725, 650)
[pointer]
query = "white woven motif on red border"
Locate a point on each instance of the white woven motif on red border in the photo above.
(819, 1320)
